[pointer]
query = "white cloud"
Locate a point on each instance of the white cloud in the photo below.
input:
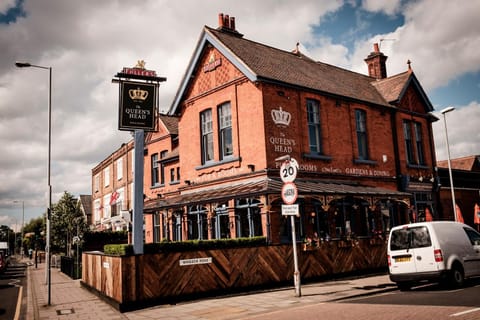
(440, 38)
(463, 133)
(5, 5)
(86, 48)
(390, 7)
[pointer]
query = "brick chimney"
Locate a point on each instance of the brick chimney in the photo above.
(376, 63)
(227, 24)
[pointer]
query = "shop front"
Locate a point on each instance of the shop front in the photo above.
(328, 211)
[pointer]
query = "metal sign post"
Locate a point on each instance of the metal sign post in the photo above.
(137, 112)
(288, 173)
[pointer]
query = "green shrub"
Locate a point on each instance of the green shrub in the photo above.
(194, 245)
(118, 249)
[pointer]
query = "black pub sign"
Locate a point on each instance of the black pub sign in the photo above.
(137, 106)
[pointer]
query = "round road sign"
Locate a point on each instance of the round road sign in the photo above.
(289, 193)
(289, 170)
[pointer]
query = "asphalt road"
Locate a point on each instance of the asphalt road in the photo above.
(432, 295)
(12, 286)
(421, 303)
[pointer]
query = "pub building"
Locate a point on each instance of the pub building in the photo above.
(363, 143)
(364, 146)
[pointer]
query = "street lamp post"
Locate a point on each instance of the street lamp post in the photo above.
(49, 186)
(444, 112)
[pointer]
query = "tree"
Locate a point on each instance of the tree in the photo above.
(34, 232)
(67, 221)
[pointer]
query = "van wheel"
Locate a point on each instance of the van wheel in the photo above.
(404, 286)
(456, 277)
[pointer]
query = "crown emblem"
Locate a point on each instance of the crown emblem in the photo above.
(138, 94)
(280, 117)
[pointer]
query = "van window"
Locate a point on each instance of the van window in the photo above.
(473, 236)
(411, 238)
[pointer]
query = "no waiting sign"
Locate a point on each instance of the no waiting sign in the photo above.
(289, 193)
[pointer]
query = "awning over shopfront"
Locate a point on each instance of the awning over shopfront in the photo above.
(265, 186)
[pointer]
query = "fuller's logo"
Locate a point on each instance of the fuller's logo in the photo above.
(280, 117)
(212, 63)
(138, 95)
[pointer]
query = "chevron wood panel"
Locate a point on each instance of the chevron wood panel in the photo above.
(160, 276)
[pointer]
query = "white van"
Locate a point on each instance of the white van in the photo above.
(444, 251)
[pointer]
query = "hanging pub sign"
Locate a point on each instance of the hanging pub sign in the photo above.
(138, 97)
(137, 106)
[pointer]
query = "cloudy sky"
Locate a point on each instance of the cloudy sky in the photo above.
(88, 42)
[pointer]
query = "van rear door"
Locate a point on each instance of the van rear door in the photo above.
(401, 256)
(411, 250)
(424, 253)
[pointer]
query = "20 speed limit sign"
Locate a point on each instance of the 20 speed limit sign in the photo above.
(289, 170)
(289, 193)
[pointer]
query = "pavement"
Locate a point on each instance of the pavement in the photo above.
(69, 300)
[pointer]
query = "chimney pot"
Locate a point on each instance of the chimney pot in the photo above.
(220, 20)
(226, 23)
(232, 23)
(376, 63)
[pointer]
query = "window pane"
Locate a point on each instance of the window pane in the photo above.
(361, 127)
(313, 121)
(407, 133)
(419, 143)
(225, 129)
(154, 165)
(207, 135)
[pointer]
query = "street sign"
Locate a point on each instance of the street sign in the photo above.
(290, 210)
(289, 193)
(288, 173)
(289, 170)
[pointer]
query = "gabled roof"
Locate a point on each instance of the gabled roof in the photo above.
(86, 203)
(259, 62)
(393, 88)
(470, 163)
(170, 122)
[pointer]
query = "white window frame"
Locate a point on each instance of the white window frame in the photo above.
(119, 168)
(106, 177)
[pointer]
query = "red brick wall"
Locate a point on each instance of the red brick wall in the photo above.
(223, 84)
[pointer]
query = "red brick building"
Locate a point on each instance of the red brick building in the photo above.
(364, 145)
(466, 185)
(112, 182)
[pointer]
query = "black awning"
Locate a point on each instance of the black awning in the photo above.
(267, 186)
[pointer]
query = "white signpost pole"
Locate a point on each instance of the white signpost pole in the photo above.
(296, 272)
(288, 173)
